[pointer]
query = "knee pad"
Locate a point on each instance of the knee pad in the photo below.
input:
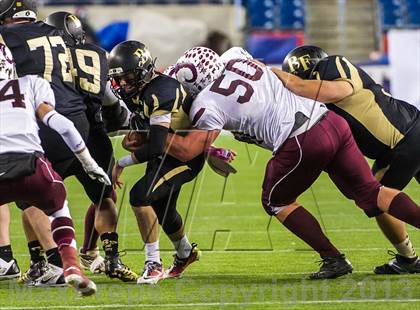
(138, 195)
(171, 223)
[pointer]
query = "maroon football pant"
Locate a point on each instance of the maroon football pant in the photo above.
(43, 189)
(328, 146)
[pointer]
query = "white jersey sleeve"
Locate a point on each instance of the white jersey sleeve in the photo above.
(235, 52)
(42, 92)
(206, 118)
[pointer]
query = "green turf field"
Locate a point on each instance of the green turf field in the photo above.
(248, 261)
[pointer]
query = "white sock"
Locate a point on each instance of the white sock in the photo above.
(152, 252)
(182, 247)
(405, 248)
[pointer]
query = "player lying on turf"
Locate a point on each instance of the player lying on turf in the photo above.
(247, 98)
(385, 129)
(25, 173)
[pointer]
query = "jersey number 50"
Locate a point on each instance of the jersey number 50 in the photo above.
(249, 91)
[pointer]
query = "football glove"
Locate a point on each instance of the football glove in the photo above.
(91, 167)
(97, 173)
(218, 159)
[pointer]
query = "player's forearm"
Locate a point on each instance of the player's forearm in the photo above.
(180, 147)
(319, 90)
(190, 146)
(66, 129)
(155, 145)
(305, 88)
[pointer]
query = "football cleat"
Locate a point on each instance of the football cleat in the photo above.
(92, 260)
(152, 273)
(114, 268)
(75, 278)
(332, 267)
(9, 270)
(180, 264)
(35, 271)
(399, 265)
(52, 276)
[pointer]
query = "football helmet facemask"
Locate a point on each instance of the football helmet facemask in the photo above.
(70, 25)
(131, 67)
(17, 9)
(302, 60)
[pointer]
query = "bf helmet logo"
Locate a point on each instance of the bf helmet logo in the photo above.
(296, 62)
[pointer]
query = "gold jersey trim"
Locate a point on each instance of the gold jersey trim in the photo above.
(170, 175)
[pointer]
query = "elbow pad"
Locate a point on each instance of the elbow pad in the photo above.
(66, 129)
(156, 145)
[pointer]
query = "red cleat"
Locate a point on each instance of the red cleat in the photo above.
(180, 264)
(76, 279)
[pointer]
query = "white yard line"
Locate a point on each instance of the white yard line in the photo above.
(254, 251)
(244, 304)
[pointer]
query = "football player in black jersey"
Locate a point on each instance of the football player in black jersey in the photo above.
(39, 49)
(163, 104)
(90, 69)
(385, 129)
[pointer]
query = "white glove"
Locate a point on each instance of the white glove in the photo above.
(91, 167)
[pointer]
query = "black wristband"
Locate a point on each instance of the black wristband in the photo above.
(155, 145)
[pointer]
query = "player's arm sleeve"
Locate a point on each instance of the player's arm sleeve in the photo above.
(155, 145)
(66, 129)
(42, 91)
(206, 119)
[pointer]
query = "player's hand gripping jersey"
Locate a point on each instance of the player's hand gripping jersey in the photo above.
(249, 100)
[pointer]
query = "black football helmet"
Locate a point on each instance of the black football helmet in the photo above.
(301, 60)
(70, 25)
(132, 62)
(17, 9)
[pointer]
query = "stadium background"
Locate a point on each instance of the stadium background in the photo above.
(249, 261)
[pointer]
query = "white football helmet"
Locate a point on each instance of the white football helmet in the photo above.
(197, 68)
(170, 71)
(7, 64)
